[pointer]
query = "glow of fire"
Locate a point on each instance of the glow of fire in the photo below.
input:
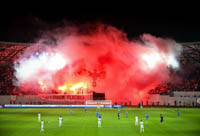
(152, 59)
(78, 86)
(62, 88)
(171, 61)
(53, 61)
(73, 87)
(42, 85)
(50, 62)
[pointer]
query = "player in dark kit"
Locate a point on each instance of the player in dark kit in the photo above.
(161, 117)
(118, 114)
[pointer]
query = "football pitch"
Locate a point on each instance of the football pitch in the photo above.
(24, 122)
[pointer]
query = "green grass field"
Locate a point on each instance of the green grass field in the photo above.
(24, 122)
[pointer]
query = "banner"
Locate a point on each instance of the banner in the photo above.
(13, 97)
(198, 100)
(65, 97)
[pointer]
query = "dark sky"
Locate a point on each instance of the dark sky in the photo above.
(24, 25)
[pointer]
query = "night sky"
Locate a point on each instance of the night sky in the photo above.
(25, 25)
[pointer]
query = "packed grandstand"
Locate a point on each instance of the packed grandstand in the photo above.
(189, 73)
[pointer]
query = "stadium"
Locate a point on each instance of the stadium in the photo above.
(94, 80)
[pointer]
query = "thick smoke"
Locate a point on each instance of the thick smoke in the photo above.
(122, 69)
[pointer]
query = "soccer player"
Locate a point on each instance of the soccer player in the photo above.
(60, 121)
(98, 107)
(71, 111)
(141, 126)
(39, 116)
(118, 114)
(126, 113)
(136, 120)
(179, 113)
(161, 117)
(85, 109)
(97, 113)
(119, 109)
(99, 121)
(42, 126)
(147, 116)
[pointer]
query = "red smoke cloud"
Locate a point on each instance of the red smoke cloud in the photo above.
(104, 59)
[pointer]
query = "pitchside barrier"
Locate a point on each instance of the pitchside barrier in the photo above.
(88, 104)
(58, 106)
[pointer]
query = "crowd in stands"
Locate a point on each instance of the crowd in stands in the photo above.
(188, 82)
(6, 79)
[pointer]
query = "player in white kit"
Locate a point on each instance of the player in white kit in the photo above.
(42, 126)
(60, 121)
(39, 116)
(141, 126)
(99, 122)
(136, 120)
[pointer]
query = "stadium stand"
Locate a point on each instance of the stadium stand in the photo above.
(190, 65)
(190, 81)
